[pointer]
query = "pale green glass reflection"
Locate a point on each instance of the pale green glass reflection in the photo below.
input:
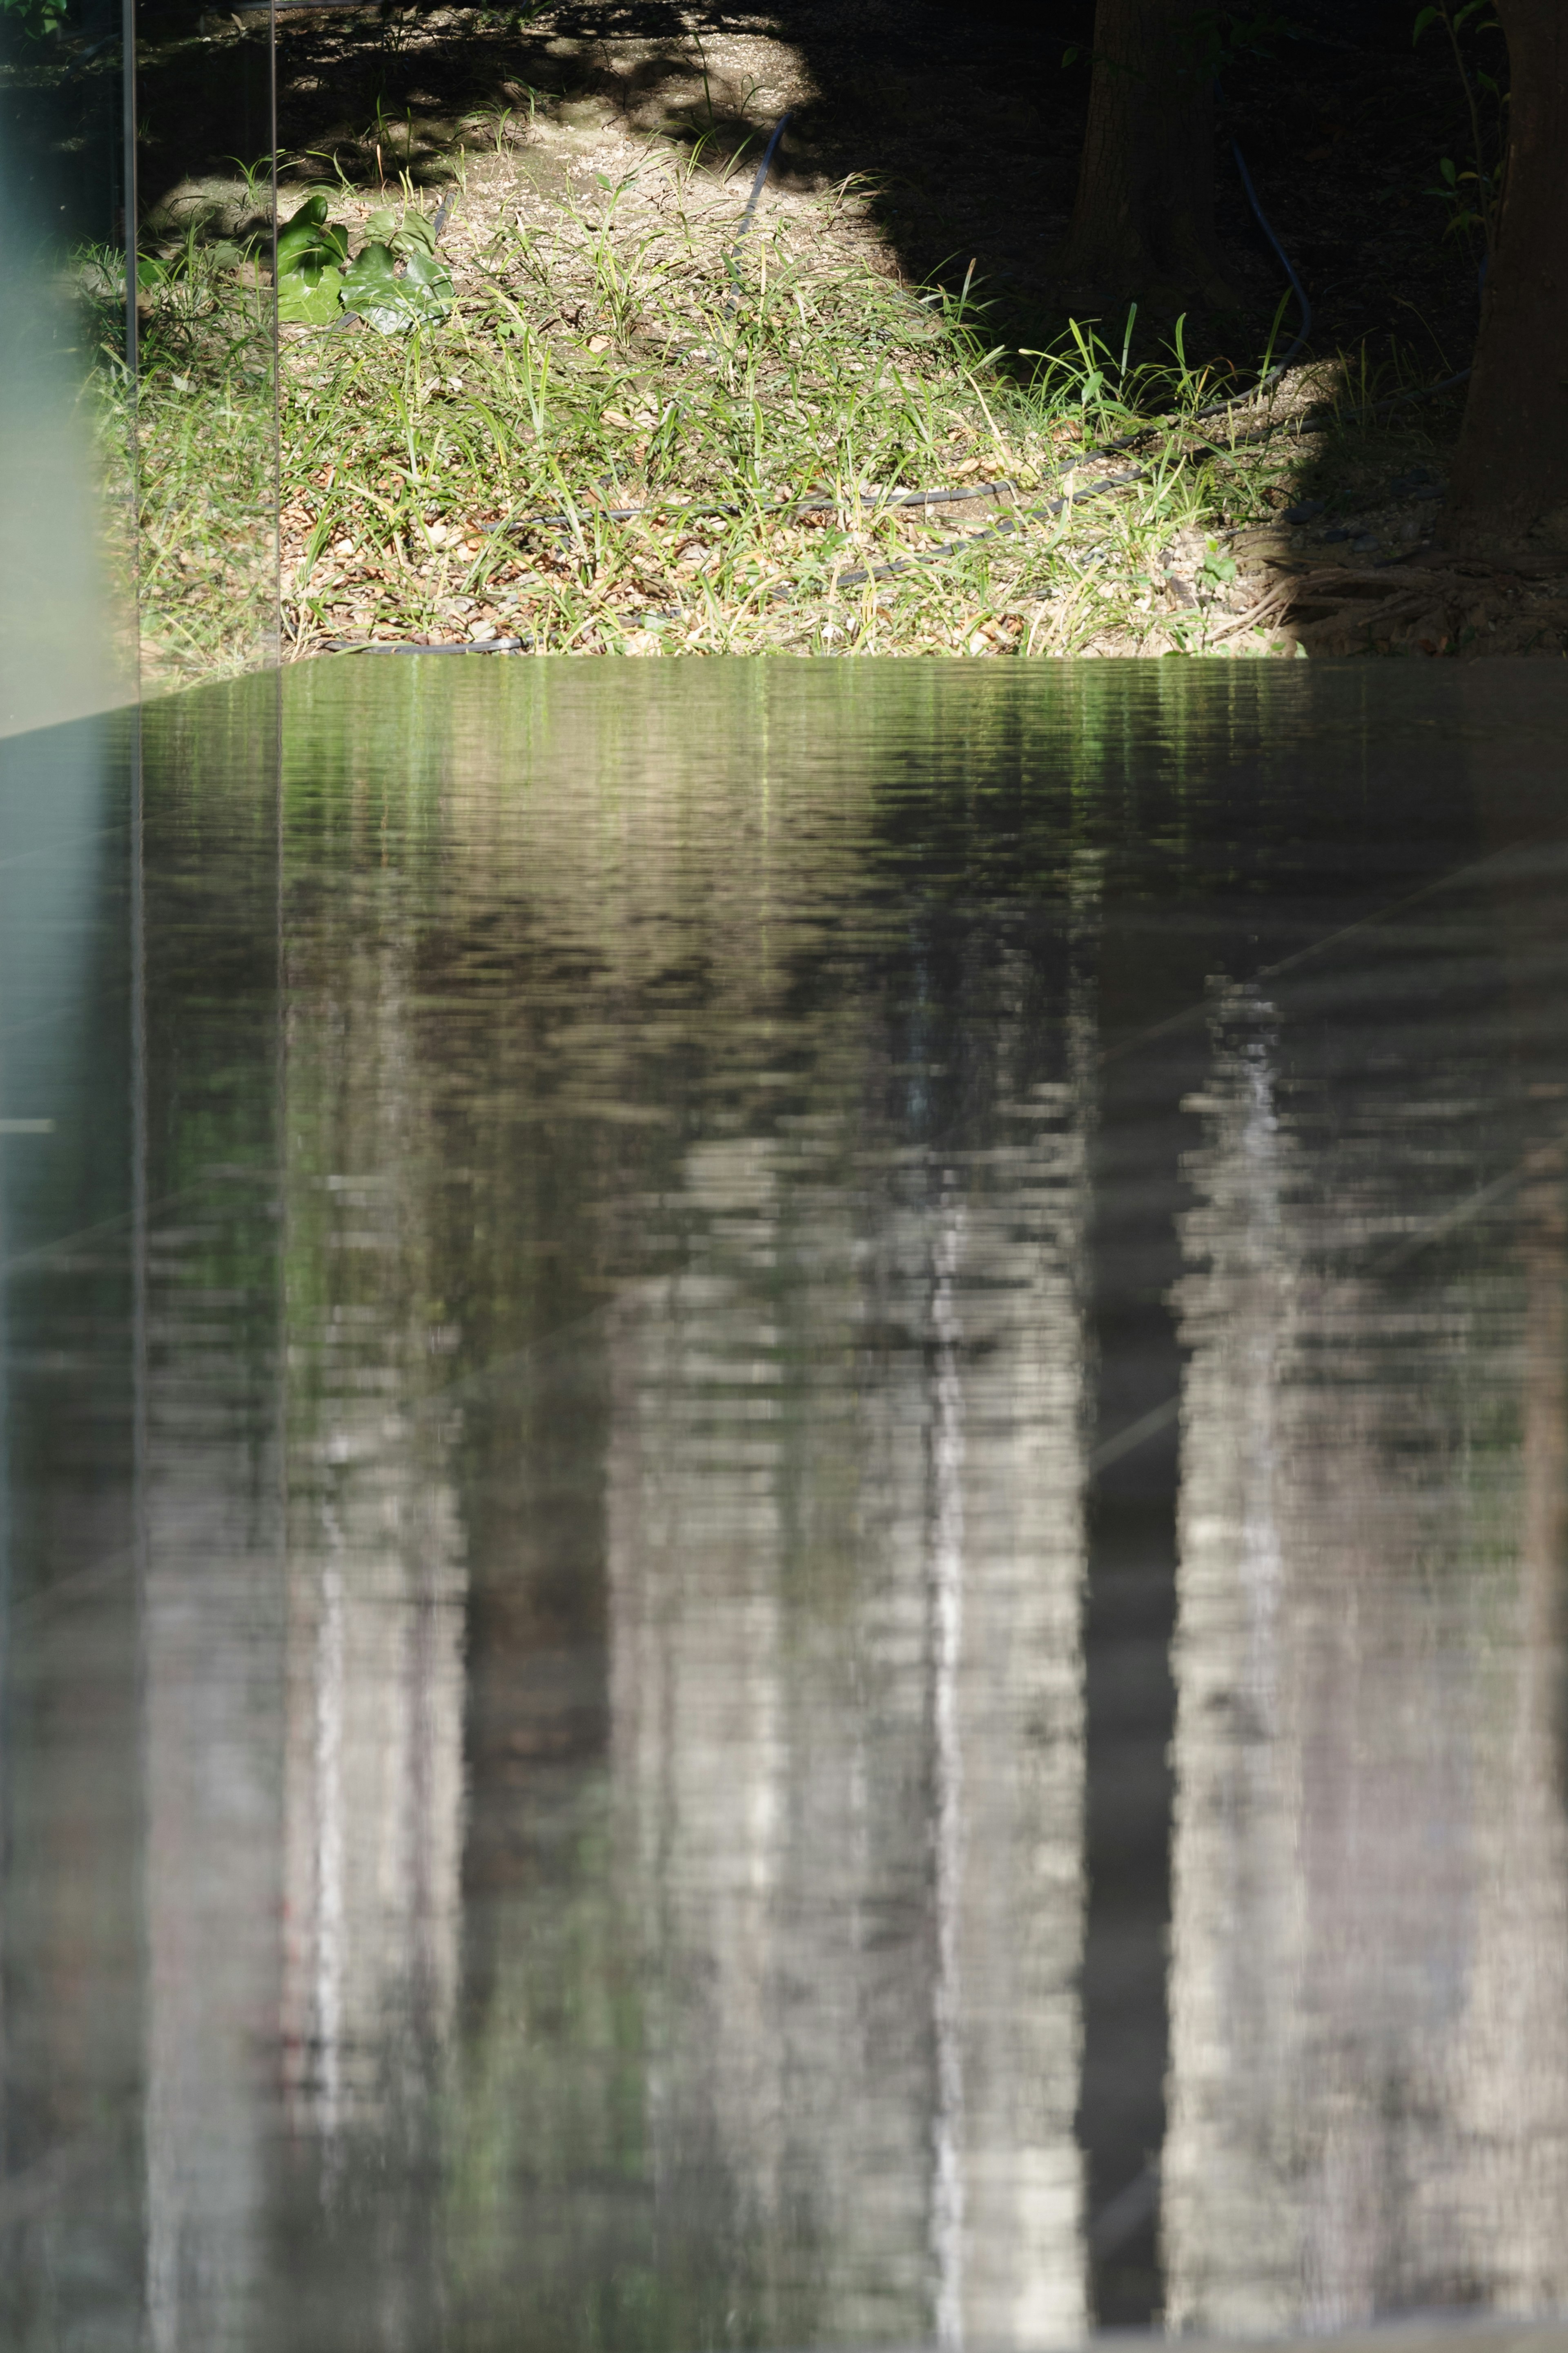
(67, 631)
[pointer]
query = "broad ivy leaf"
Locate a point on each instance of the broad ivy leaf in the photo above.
(301, 233)
(404, 232)
(390, 295)
(436, 293)
(309, 298)
(307, 242)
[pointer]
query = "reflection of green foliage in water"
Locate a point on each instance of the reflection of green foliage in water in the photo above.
(35, 19)
(212, 1141)
(579, 864)
(407, 881)
(550, 2134)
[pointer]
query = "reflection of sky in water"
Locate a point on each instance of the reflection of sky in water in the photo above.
(550, 1719)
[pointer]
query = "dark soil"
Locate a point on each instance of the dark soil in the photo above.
(964, 123)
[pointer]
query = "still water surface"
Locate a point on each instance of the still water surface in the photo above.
(785, 1507)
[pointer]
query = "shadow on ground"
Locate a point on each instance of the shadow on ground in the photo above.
(959, 126)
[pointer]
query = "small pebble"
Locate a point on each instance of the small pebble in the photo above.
(1304, 511)
(482, 632)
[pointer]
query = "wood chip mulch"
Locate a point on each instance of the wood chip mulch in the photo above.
(1429, 606)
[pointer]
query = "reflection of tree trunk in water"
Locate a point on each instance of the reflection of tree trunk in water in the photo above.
(947, 1640)
(1143, 221)
(1523, 2078)
(1541, 1757)
(1129, 1622)
(1512, 2056)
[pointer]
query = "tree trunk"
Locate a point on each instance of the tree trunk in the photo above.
(1510, 490)
(1143, 221)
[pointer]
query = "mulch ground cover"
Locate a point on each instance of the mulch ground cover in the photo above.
(935, 147)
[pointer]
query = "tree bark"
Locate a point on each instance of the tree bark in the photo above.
(1143, 223)
(1508, 495)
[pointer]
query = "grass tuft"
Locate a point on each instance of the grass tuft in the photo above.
(759, 406)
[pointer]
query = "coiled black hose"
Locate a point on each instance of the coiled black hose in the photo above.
(1052, 507)
(1304, 307)
(979, 489)
(1302, 303)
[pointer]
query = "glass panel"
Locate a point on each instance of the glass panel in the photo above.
(137, 1266)
(66, 549)
(207, 337)
(211, 1617)
(70, 1940)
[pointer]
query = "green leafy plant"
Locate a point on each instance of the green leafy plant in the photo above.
(396, 281)
(35, 20)
(511, 20)
(1211, 38)
(1474, 195)
(1218, 569)
(1467, 195)
(1219, 37)
(629, 436)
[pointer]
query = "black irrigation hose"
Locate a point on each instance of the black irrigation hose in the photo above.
(415, 645)
(1142, 473)
(752, 201)
(1304, 304)
(1400, 399)
(981, 490)
(1304, 307)
(679, 514)
(1111, 482)
(1003, 530)
(1011, 524)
